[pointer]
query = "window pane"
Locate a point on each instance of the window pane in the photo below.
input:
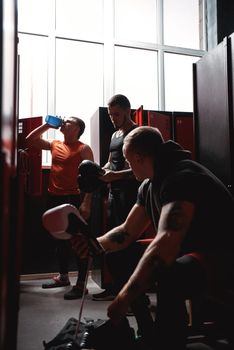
(136, 20)
(179, 82)
(181, 23)
(79, 79)
(33, 51)
(34, 16)
(80, 18)
(136, 76)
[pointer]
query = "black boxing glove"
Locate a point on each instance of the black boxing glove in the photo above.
(89, 173)
(90, 168)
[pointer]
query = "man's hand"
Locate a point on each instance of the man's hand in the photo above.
(109, 176)
(84, 246)
(80, 245)
(118, 308)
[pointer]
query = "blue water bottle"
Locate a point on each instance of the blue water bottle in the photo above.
(54, 120)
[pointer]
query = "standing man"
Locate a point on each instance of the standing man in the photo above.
(63, 188)
(123, 185)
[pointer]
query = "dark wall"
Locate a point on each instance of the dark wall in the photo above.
(213, 111)
(225, 11)
(219, 19)
(38, 249)
(11, 208)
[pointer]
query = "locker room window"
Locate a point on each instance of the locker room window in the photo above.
(181, 23)
(136, 20)
(178, 80)
(79, 87)
(33, 75)
(122, 38)
(34, 16)
(85, 18)
(140, 72)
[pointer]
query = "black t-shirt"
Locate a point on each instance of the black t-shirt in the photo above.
(212, 229)
(117, 157)
(118, 163)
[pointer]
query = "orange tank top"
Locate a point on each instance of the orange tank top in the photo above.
(66, 159)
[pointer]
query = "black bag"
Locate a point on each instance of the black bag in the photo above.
(65, 336)
(102, 335)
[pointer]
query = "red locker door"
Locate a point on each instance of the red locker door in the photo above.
(32, 167)
(138, 116)
(184, 131)
(161, 121)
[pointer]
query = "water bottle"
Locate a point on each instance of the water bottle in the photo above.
(54, 120)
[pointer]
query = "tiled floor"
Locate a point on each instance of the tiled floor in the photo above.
(44, 312)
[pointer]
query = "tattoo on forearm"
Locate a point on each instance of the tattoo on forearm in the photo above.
(118, 237)
(176, 217)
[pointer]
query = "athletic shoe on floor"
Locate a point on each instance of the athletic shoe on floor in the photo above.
(75, 293)
(106, 295)
(57, 281)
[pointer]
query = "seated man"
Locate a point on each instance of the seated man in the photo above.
(192, 213)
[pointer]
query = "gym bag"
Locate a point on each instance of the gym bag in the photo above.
(95, 335)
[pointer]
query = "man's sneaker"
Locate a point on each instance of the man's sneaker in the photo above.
(106, 295)
(57, 281)
(75, 293)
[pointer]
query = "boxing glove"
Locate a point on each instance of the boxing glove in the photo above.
(90, 168)
(89, 184)
(65, 222)
(89, 173)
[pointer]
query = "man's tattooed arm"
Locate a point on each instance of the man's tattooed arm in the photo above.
(118, 237)
(115, 239)
(123, 235)
(174, 223)
(176, 217)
